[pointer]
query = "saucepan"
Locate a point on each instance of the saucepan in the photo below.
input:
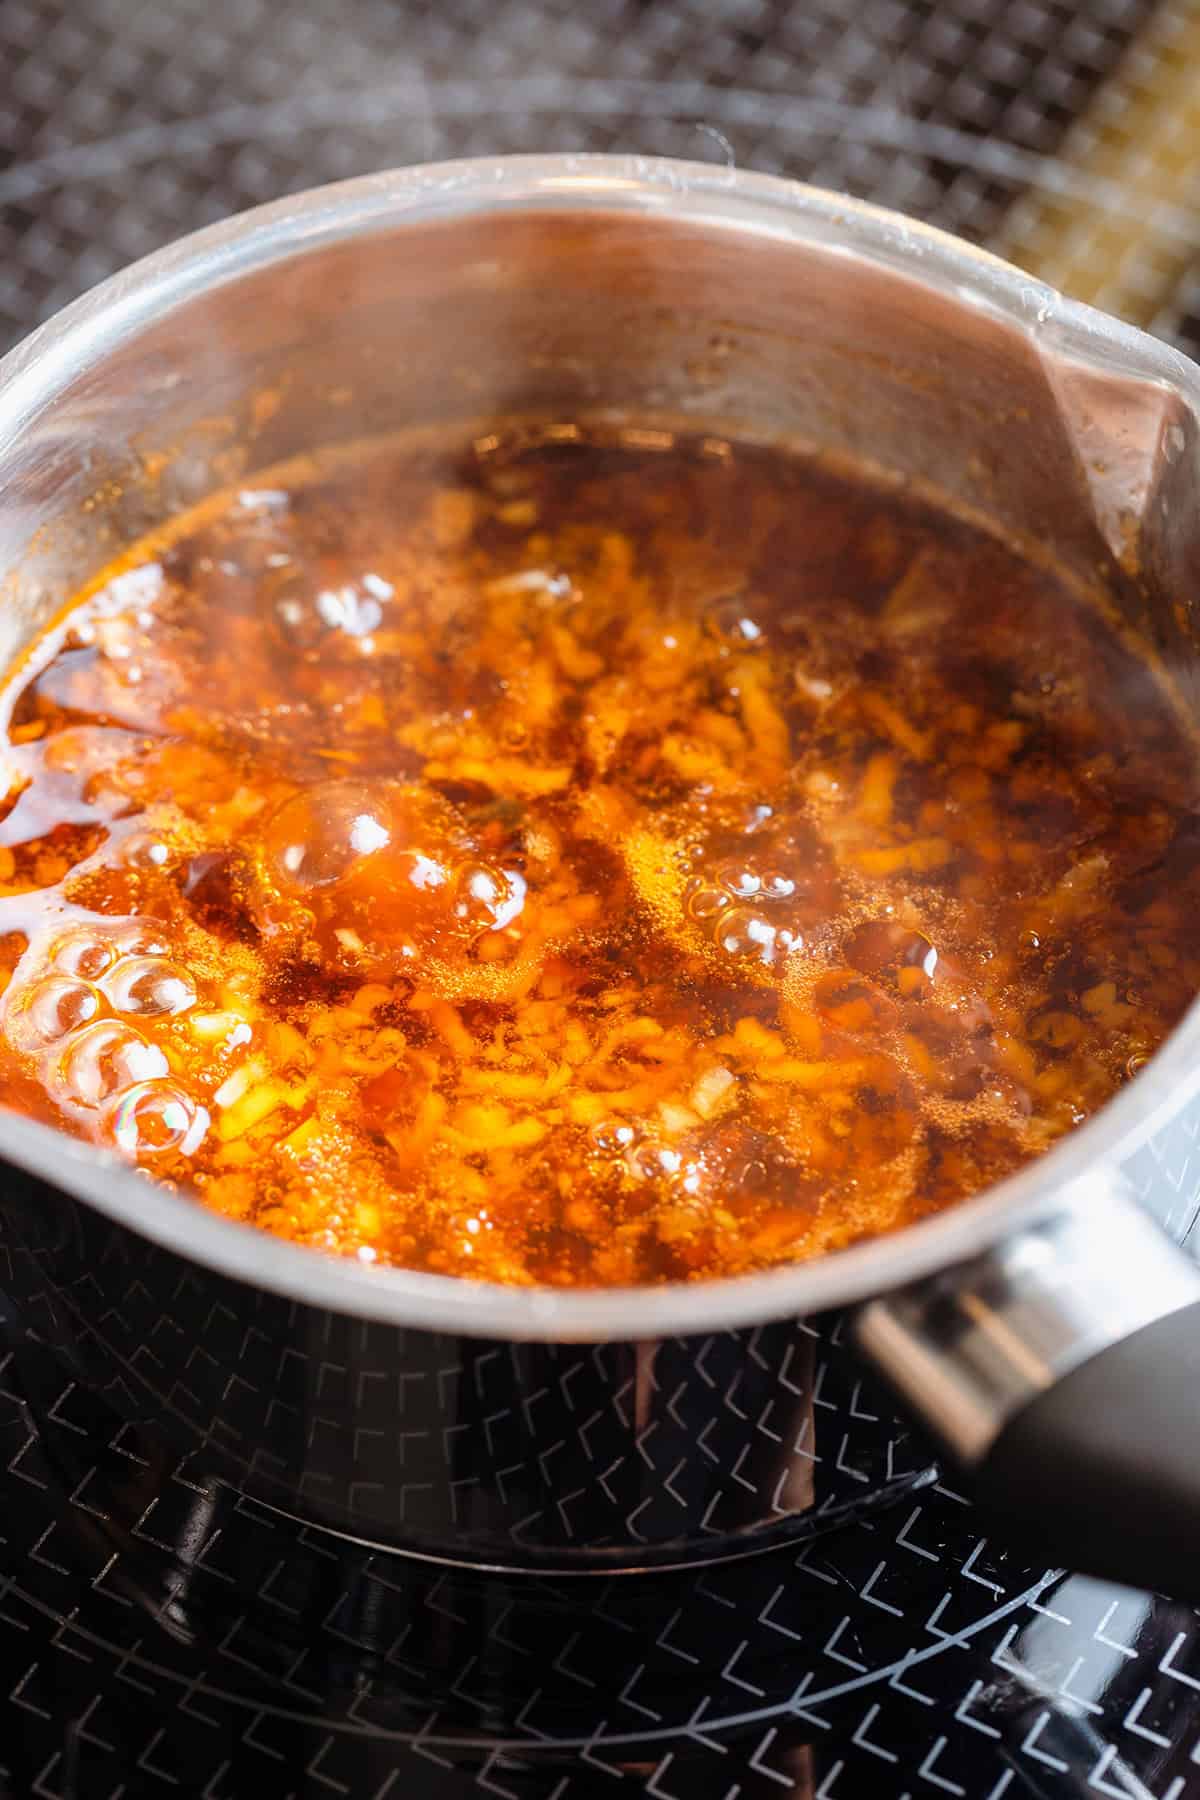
(1044, 1335)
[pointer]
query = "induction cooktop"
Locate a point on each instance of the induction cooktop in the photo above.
(160, 1633)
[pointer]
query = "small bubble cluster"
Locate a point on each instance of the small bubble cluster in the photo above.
(74, 1019)
(742, 911)
(386, 868)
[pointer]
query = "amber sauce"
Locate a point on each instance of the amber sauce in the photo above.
(582, 863)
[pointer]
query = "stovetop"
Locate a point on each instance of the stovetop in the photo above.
(162, 1635)
(124, 123)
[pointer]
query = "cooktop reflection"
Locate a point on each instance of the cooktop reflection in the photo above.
(160, 1633)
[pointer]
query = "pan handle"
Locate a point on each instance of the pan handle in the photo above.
(1061, 1371)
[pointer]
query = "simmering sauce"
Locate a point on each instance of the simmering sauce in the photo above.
(585, 861)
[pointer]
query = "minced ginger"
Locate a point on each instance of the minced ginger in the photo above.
(585, 863)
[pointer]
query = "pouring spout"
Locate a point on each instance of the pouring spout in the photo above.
(1131, 437)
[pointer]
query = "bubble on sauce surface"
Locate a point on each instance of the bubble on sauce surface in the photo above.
(50, 1011)
(744, 879)
(614, 1137)
(749, 935)
(105, 1059)
(425, 873)
(773, 884)
(757, 818)
(705, 904)
(84, 955)
(488, 898)
(740, 879)
(312, 616)
(319, 835)
(732, 620)
(290, 601)
(148, 854)
(650, 1162)
(157, 1117)
(885, 949)
(134, 937)
(748, 1164)
(149, 987)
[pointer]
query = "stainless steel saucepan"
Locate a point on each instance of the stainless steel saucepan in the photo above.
(1047, 1332)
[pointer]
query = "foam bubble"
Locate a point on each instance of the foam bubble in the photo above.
(50, 1010)
(318, 836)
(744, 932)
(84, 954)
(104, 1060)
(487, 897)
(155, 1118)
(149, 987)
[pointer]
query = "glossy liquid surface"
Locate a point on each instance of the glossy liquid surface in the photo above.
(585, 863)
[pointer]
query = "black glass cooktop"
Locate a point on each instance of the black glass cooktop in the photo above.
(160, 1635)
